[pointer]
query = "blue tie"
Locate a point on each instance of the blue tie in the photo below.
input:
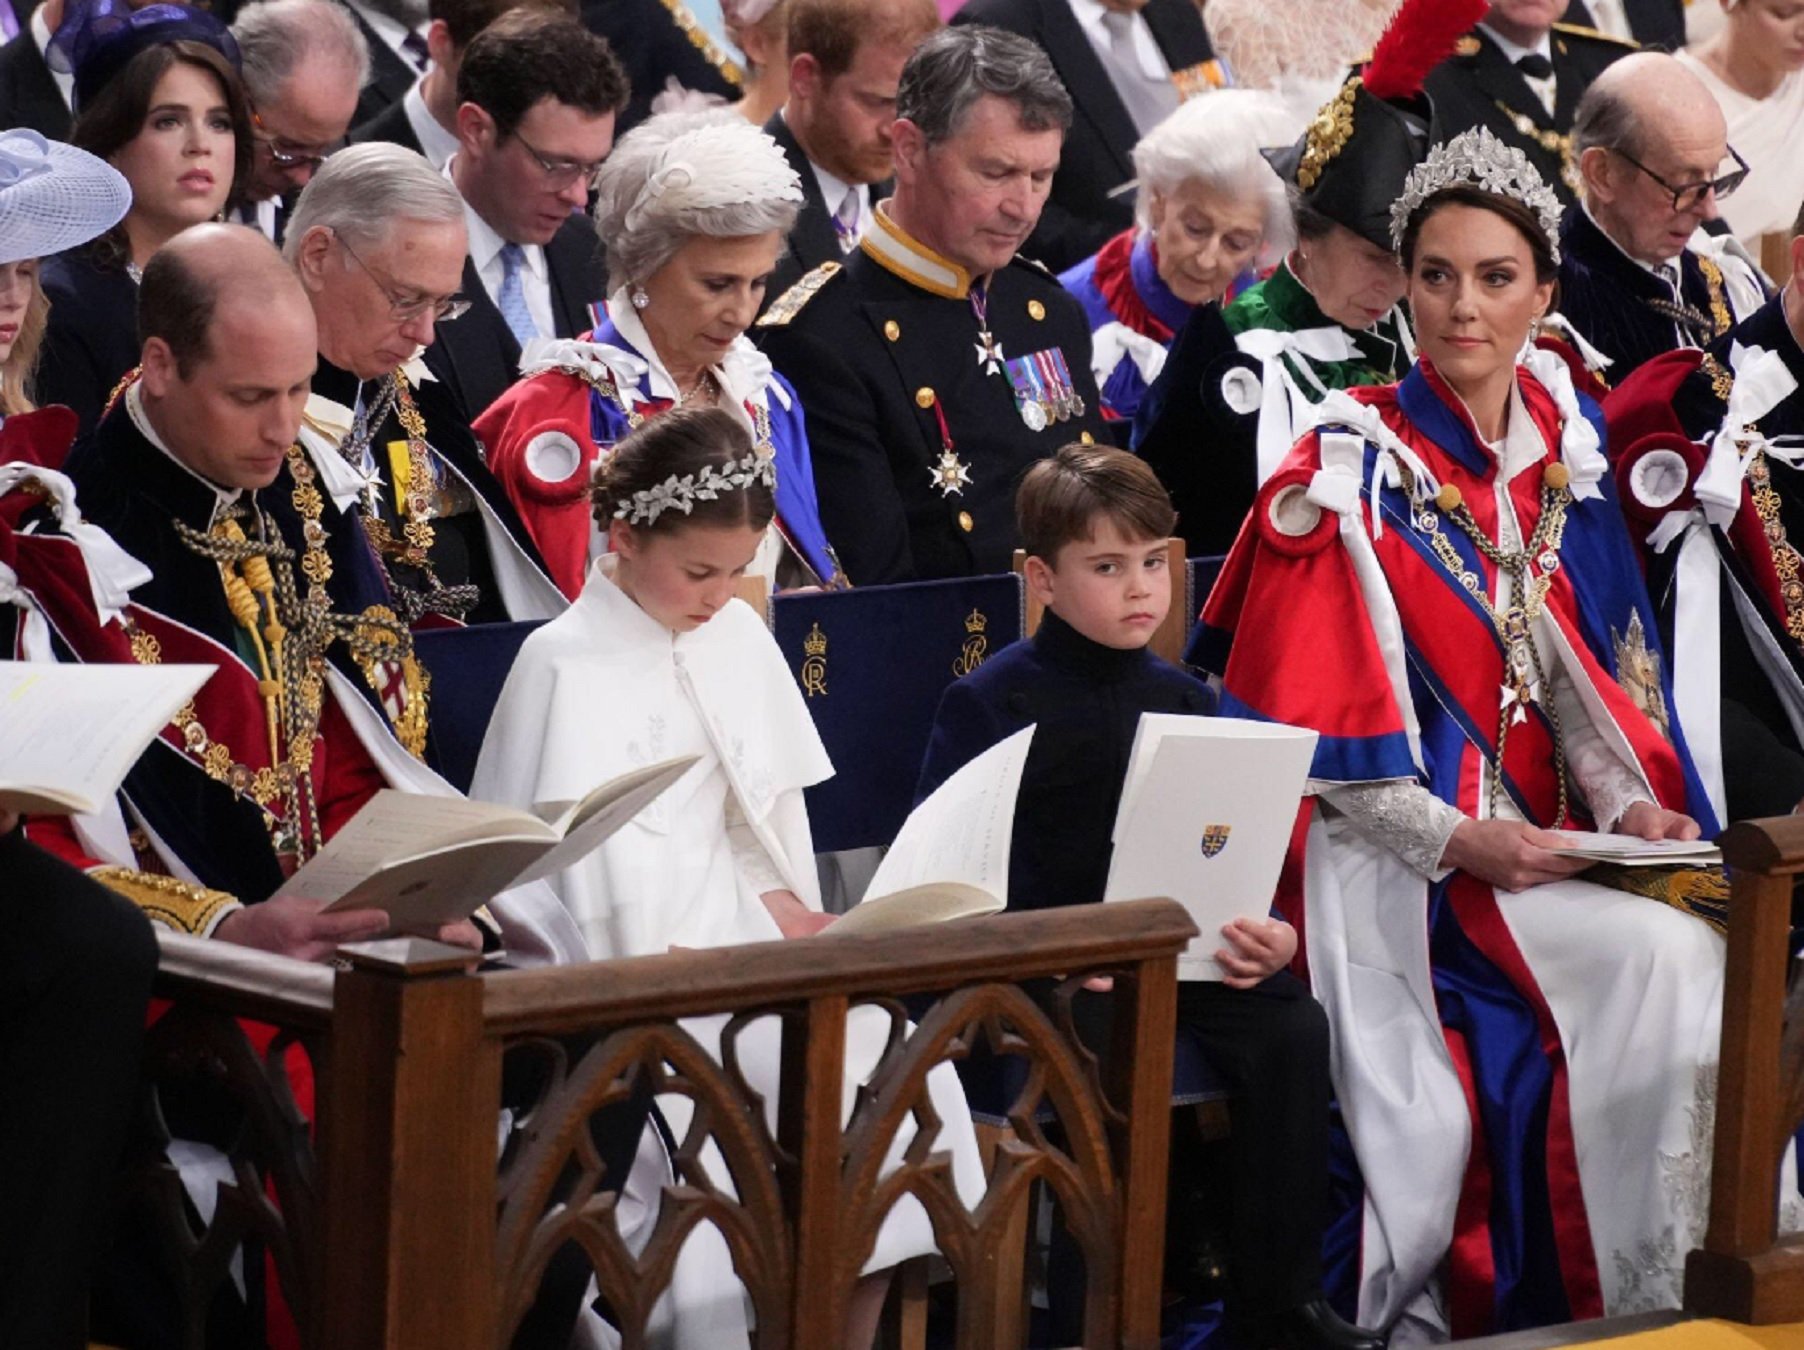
(512, 300)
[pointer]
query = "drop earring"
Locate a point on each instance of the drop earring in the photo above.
(640, 298)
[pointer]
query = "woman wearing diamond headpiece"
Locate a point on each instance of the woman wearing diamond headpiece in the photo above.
(1439, 581)
(677, 667)
(693, 209)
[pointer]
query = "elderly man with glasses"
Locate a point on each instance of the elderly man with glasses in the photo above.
(378, 241)
(1644, 265)
(303, 64)
(537, 97)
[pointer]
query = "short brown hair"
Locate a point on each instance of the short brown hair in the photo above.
(1061, 498)
(832, 31)
(176, 304)
(532, 54)
(680, 444)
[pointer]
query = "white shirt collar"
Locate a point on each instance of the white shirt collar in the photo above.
(437, 144)
(40, 34)
(485, 243)
(134, 408)
(1514, 52)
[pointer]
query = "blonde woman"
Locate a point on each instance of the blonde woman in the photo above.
(51, 196)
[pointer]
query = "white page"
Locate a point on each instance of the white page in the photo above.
(1232, 782)
(76, 730)
(394, 825)
(961, 832)
(420, 894)
(1631, 851)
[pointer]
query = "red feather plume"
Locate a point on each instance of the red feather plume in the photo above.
(1421, 35)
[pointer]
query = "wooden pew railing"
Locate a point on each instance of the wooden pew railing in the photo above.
(1746, 1270)
(389, 1223)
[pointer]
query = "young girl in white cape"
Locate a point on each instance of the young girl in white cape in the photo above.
(656, 660)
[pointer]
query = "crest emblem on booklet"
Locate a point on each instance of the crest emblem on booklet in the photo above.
(1215, 839)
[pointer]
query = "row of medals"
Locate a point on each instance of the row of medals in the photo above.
(1037, 413)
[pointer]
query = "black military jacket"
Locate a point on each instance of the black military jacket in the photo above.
(1477, 86)
(917, 447)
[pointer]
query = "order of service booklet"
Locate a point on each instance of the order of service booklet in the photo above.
(950, 858)
(70, 733)
(1627, 850)
(429, 861)
(1206, 815)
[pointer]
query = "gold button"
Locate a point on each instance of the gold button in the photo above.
(1036, 310)
(924, 397)
(891, 329)
(965, 522)
(1087, 438)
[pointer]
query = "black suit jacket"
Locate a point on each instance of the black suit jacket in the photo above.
(390, 76)
(1080, 216)
(876, 360)
(651, 46)
(1483, 89)
(812, 240)
(28, 96)
(391, 125)
(92, 338)
(1655, 23)
(477, 357)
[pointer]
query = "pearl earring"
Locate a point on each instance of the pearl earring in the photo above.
(640, 298)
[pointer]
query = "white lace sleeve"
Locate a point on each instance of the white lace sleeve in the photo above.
(1406, 818)
(1608, 786)
(751, 860)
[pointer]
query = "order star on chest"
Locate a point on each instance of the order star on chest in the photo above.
(950, 474)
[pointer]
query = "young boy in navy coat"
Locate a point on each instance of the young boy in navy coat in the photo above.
(1095, 523)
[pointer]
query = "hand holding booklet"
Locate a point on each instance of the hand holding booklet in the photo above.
(950, 858)
(1627, 850)
(430, 861)
(70, 733)
(1205, 818)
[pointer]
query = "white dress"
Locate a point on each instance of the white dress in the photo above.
(605, 688)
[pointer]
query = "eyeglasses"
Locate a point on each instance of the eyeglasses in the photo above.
(1690, 196)
(400, 308)
(561, 173)
(283, 154)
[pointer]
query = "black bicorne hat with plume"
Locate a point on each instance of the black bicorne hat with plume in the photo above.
(1351, 162)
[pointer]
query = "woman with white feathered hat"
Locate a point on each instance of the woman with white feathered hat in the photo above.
(693, 208)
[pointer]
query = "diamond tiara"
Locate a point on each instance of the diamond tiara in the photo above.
(681, 494)
(1478, 159)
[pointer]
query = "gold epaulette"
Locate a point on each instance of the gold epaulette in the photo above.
(1579, 30)
(174, 903)
(789, 304)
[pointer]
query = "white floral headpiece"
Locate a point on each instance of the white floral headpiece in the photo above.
(681, 494)
(1478, 159)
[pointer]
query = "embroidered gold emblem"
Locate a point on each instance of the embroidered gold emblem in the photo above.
(1638, 672)
(977, 644)
(814, 662)
(789, 304)
(1328, 134)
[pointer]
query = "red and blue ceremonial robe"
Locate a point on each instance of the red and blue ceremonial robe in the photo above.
(1521, 1075)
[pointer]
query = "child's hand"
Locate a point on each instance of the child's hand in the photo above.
(794, 919)
(1257, 949)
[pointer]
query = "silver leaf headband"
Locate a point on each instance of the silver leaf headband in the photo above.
(1478, 159)
(681, 494)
